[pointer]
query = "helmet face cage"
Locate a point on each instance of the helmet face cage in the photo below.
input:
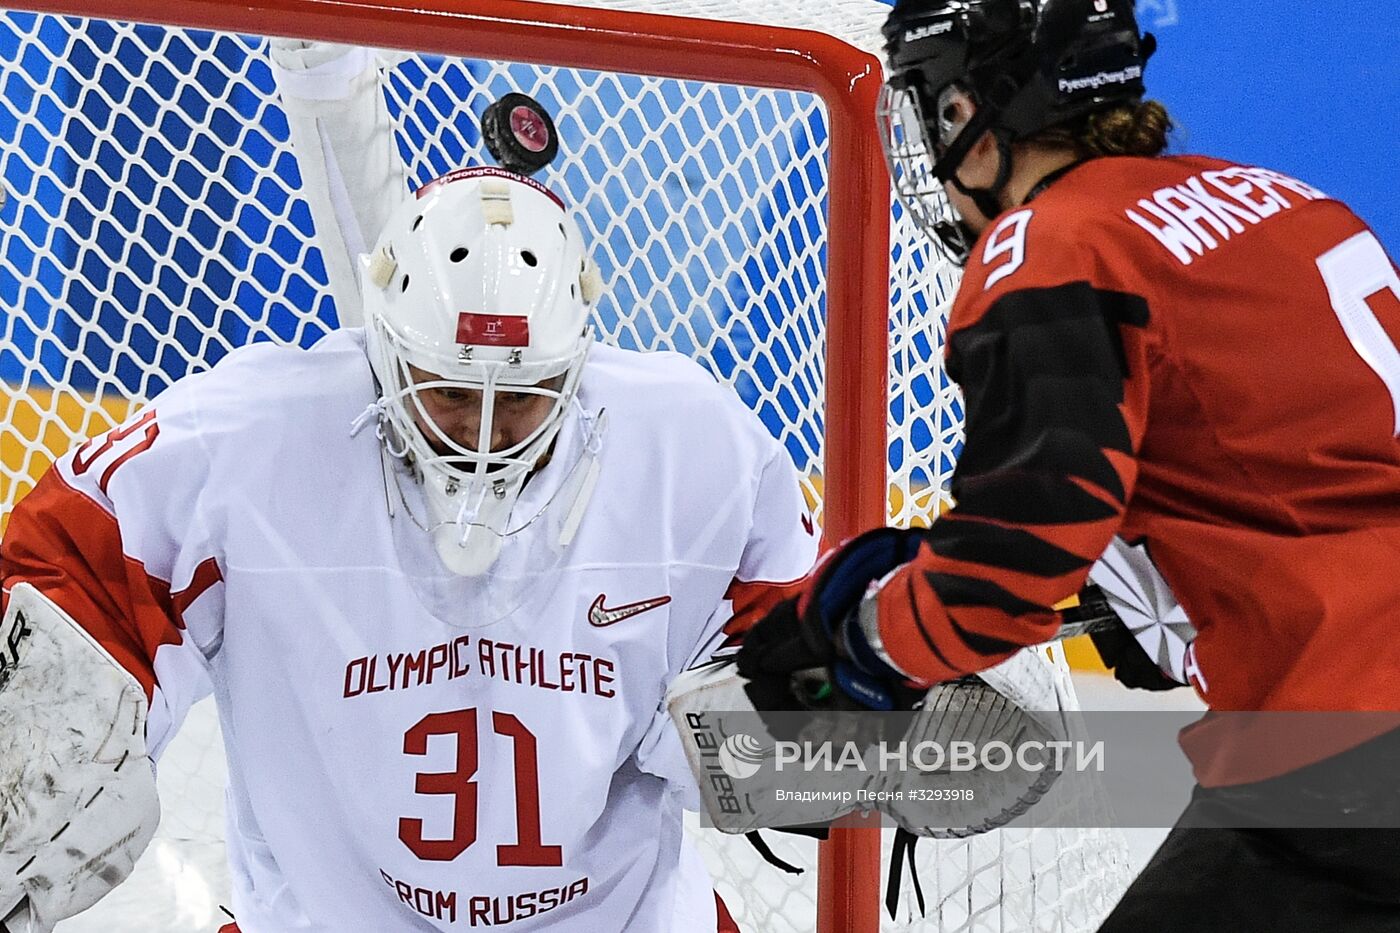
(1026, 66)
(437, 451)
(913, 163)
(934, 47)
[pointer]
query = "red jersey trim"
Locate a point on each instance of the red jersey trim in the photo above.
(85, 456)
(752, 600)
(70, 548)
(204, 576)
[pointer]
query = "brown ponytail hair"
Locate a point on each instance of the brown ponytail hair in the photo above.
(1134, 129)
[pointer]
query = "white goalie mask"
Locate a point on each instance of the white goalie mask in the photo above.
(477, 298)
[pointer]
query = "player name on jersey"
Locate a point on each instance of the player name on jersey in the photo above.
(566, 671)
(1191, 219)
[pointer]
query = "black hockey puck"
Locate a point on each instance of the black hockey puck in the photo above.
(520, 134)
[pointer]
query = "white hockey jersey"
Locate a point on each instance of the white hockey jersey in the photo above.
(394, 763)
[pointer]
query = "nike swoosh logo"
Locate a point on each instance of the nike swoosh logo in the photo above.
(599, 616)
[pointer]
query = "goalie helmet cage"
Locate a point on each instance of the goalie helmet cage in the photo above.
(726, 172)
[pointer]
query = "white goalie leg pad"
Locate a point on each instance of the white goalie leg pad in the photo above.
(77, 793)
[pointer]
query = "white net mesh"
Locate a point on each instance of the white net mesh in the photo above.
(153, 223)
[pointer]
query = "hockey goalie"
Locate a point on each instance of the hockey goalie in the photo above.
(414, 568)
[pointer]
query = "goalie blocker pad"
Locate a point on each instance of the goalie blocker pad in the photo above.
(77, 792)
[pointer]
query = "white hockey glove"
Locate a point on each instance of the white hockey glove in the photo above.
(297, 55)
(77, 793)
(340, 131)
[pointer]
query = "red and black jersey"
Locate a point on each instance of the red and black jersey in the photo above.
(1201, 357)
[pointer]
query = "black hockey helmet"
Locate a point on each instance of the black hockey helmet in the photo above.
(1026, 66)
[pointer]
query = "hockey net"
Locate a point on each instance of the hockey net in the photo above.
(152, 223)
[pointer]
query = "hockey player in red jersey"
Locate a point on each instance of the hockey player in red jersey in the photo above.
(1196, 355)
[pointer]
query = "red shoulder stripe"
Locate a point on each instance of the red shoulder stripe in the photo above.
(70, 549)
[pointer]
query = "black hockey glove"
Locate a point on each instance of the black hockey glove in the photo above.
(809, 653)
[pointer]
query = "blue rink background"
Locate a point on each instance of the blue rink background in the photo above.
(1308, 88)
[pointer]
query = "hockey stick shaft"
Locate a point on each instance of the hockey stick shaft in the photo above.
(1093, 614)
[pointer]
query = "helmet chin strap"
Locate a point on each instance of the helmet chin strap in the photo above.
(1050, 179)
(988, 200)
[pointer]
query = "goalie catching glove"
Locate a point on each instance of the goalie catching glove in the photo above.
(744, 759)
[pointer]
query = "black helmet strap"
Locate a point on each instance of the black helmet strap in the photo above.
(991, 105)
(1050, 179)
(988, 200)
